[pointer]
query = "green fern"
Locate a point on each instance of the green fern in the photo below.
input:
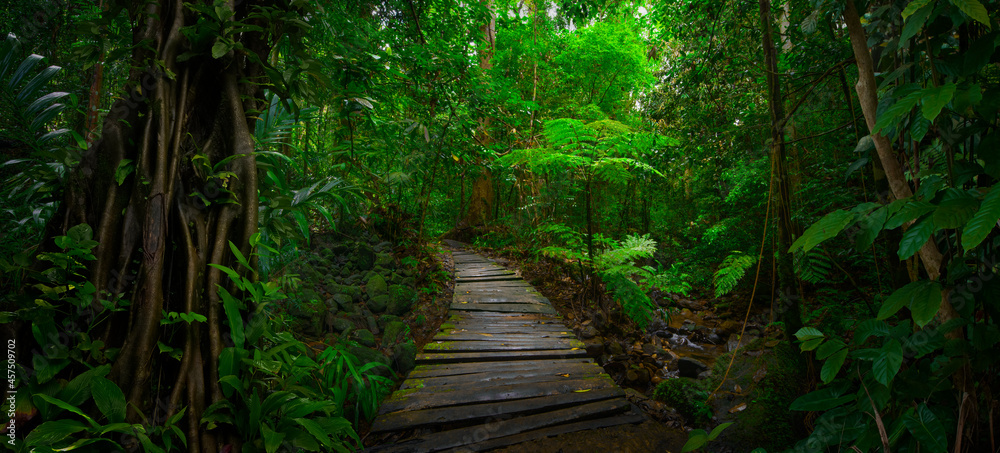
(733, 268)
(813, 266)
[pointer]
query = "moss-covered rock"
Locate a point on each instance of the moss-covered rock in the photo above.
(364, 337)
(378, 304)
(339, 324)
(394, 332)
(385, 260)
(687, 396)
(375, 285)
(364, 257)
(404, 357)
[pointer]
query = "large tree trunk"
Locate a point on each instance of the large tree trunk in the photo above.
(788, 310)
(930, 255)
(169, 217)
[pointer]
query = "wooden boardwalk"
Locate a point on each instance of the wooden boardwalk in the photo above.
(502, 370)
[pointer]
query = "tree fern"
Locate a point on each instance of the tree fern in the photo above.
(733, 268)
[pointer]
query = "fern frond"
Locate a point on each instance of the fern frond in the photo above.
(631, 248)
(813, 266)
(731, 271)
(633, 300)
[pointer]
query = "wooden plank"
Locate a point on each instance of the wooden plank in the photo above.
(498, 442)
(499, 299)
(505, 308)
(472, 413)
(512, 345)
(414, 399)
(492, 377)
(503, 337)
(500, 278)
(428, 391)
(458, 357)
(500, 428)
(434, 370)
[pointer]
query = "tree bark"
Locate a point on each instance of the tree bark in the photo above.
(169, 217)
(866, 88)
(788, 311)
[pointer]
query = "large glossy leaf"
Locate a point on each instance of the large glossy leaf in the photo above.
(909, 210)
(900, 108)
(914, 16)
(915, 237)
(822, 399)
(868, 328)
(917, 294)
(973, 9)
(983, 221)
(109, 399)
(927, 429)
(886, 366)
(869, 227)
(697, 438)
(272, 439)
(50, 433)
(832, 366)
(934, 99)
(827, 227)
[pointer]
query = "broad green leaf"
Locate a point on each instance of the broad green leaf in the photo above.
(718, 430)
(918, 293)
(868, 328)
(48, 434)
(909, 210)
(66, 406)
(829, 348)
(315, 430)
(827, 227)
(821, 400)
(697, 438)
(109, 399)
(914, 21)
(973, 9)
(915, 237)
(919, 127)
(125, 168)
(808, 333)
(220, 48)
(870, 226)
(925, 304)
(927, 429)
(888, 362)
(914, 6)
(983, 221)
(832, 366)
(233, 315)
(955, 210)
(272, 439)
(935, 99)
(900, 108)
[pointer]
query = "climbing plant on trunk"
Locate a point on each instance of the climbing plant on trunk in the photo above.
(171, 181)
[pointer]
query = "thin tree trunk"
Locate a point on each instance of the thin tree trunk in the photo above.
(789, 311)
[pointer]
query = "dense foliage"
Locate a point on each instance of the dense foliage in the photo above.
(168, 163)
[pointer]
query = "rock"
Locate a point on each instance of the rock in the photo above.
(375, 285)
(588, 332)
(648, 349)
(343, 300)
(384, 320)
(690, 368)
(403, 298)
(340, 324)
(728, 327)
(614, 348)
(377, 304)
(595, 347)
(707, 374)
(345, 271)
(384, 260)
(409, 281)
(331, 304)
(364, 257)
(394, 333)
(404, 357)
(364, 337)
(637, 375)
(383, 246)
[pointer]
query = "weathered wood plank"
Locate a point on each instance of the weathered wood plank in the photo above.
(500, 428)
(415, 399)
(503, 337)
(503, 376)
(510, 345)
(458, 357)
(505, 308)
(556, 365)
(498, 442)
(472, 413)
